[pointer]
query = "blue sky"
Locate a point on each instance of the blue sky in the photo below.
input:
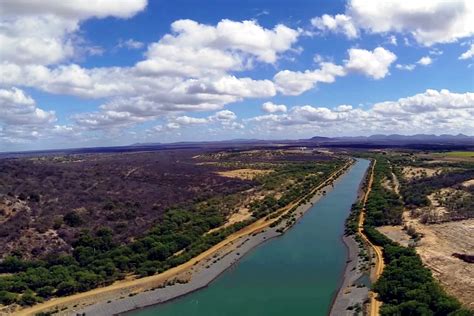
(90, 73)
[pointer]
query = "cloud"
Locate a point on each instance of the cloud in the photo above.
(80, 9)
(223, 116)
(194, 49)
(344, 108)
(468, 54)
(239, 87)
(407, 67)
(393, 40)
(45, 32)
(374, 64)
(427, 21)
(19, 108)
(22, 120)
(187, 120)
(425, 61)
(130, 44)
(224, 119)
(186, 70)
(429, 101)
(295, 82)
(429, 112)
(270, 107)
(339, 23)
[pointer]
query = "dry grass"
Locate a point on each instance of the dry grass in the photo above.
(244, 174)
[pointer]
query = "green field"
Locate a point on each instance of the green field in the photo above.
(459, 154)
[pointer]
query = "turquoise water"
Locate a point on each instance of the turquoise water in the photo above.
(296, 274)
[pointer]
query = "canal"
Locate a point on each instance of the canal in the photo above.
(295, 274)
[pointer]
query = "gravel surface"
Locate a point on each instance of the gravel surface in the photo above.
(350, 293)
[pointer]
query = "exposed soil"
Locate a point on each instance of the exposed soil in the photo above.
(417, 172)
(436, 249)
(244, 174)
(468, 183)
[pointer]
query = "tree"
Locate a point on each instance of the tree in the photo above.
(45, 291)
(7, 298)
(73, 219)
(28, 298)
(67, 287)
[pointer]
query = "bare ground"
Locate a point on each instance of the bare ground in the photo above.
(417, 172)
(468, 183)
(244, 174)
(436, 247)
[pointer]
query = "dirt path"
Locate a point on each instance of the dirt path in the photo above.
(396, 183)
(143, 283)
(379, 263)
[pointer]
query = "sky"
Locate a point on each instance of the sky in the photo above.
(83, 73)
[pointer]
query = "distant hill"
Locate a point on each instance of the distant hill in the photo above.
(399, 139)
(418, 141)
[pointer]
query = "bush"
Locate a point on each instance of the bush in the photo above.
(28, 298)
(45, 291)
(7, 298)
(73, 219)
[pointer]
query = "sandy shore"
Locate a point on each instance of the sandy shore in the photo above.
(198, 273)
(354, 289)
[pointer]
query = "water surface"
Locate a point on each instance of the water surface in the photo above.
(295, 274)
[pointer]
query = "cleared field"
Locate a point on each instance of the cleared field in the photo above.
(243, 174)
(418, 172)
(436, 249)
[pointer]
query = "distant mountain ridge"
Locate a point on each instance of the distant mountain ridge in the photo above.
(418, 141)
(417, 138)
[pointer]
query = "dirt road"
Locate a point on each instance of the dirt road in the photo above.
(379, 263)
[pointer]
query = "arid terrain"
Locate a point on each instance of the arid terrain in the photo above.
(83, 221)
(438, 218)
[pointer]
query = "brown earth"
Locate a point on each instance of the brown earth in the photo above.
(436, 248)
(244, 174)
(418, 172)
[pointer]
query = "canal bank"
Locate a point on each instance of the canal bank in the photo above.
(297, 273)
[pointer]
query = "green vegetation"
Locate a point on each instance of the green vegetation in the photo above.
(305, 177)
(415, 192)
(459, 154)
(352, 221)
(98, 261)
(406, 287)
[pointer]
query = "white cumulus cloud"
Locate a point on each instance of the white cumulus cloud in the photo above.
(270, 107)
(425, 61)
(374, 64)
(468, 54)
(431, 111)
(428, 21)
